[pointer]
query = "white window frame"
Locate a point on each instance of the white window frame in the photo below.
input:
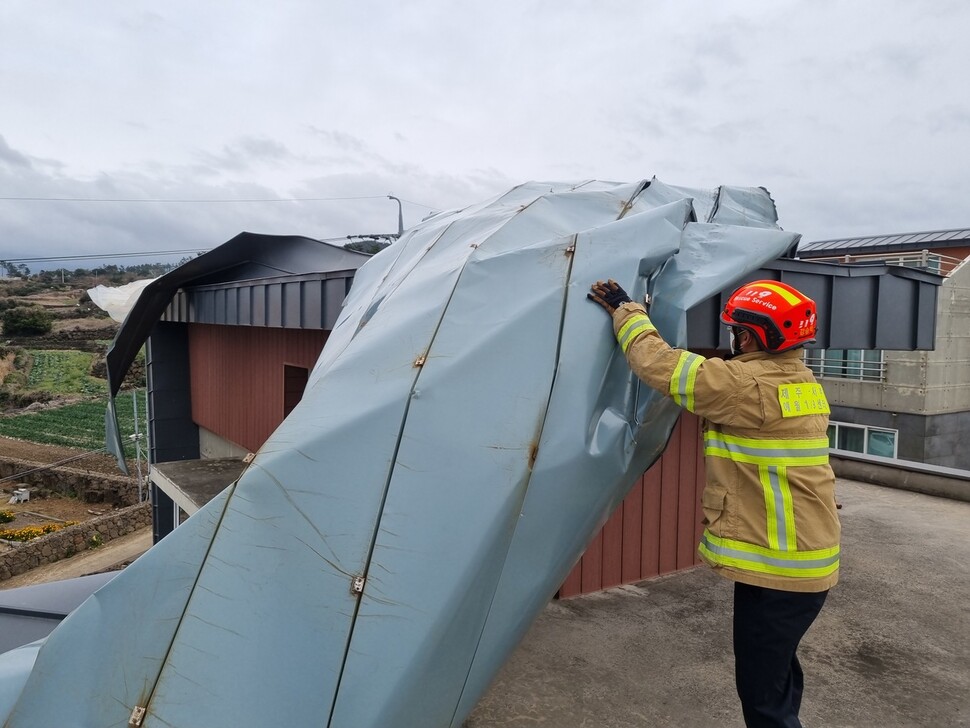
(866, 429)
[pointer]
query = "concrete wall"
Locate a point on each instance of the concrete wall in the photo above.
(948, 366)
(918, 477)
(212, 445)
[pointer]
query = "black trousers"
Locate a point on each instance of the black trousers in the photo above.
(768, 625)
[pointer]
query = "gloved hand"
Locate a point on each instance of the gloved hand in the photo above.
(608, 294)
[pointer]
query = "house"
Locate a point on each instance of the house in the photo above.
(893, 401)
(230, 339)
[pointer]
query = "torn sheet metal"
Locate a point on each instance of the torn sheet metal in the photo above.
(469, 426)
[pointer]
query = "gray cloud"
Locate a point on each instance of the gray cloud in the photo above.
(853, 115)
(11, 157)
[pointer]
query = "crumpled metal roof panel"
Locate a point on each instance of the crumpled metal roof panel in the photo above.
(468, 427)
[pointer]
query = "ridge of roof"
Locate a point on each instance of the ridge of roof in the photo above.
(889, 239)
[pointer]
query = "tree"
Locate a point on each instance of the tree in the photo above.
(367, 246)
(26, 321)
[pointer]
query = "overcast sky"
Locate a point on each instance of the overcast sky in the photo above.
(855, 116)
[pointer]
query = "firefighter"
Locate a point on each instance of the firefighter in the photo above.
(770, 522)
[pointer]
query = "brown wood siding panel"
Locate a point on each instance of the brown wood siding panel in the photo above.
(686, 543)
(669, 503)
(612, 569)
(650, 536)
(592, 563)
(656, 528)
(574, 582)
(237, 377)
(632, 509)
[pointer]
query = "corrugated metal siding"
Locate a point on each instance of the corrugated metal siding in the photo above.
(310, 301)
(237, 377)
(850, 302)
(656, 528)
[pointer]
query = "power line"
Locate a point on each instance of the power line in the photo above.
(184, 200)
(50, 466)
(131, 254)
(203, 201)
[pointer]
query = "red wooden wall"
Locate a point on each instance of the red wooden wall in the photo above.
(237, 373)
(656, 529)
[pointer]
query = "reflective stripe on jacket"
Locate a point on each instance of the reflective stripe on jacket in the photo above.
(769, 501)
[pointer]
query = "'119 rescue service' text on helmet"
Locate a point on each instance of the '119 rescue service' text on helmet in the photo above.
(779, 316)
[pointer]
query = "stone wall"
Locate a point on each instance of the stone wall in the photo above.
(89, 487)
(69, 541)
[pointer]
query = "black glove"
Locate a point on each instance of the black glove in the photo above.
(608, 294)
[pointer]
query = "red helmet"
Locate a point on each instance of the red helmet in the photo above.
(779, 316)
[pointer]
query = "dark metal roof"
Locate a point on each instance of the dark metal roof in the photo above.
(874, 306)
(885, 243)
(247, 257)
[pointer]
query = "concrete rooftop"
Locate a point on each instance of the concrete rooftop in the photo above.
(891, 648)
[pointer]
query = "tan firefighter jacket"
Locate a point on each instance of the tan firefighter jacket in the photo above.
(769, 501)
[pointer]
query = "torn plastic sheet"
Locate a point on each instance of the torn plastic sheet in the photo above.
(468, 427)
(117, 301)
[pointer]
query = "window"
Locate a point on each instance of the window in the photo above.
(864, 439)
(864, 365)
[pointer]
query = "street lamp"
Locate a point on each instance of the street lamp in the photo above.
(400, 215)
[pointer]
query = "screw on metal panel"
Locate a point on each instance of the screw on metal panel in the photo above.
(571, 249)
(137, 716)
(419, 362)
(358, 585)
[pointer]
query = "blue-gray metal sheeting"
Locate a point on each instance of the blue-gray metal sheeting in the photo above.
(469, 425)
(105, 657)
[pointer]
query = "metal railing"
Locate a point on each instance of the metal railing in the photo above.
(942, 265)
(824, 364)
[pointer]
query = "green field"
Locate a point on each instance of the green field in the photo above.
(64, 372)
(79, 425)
